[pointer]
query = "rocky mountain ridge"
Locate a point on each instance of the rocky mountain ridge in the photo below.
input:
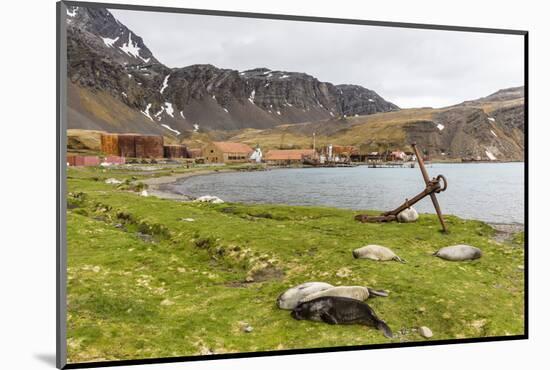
(116, 68)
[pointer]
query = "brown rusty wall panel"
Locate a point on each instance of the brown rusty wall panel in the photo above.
(127, 145)
(109, 144)
(149, 146)
(175, 151)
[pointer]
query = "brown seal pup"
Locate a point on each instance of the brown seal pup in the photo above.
(340, 310)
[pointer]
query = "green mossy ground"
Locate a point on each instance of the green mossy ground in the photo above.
(143, 283)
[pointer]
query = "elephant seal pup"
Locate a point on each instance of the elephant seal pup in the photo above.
(376, 253)
(290, 298)
(360, 293)
(460, 252)
(340, 310)
(407, 215)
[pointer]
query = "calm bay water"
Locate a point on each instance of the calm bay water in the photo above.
(491, 192)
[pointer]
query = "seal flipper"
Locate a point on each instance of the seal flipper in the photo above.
(399, 259)
(377, 293)
(381, 325)
(328, 318)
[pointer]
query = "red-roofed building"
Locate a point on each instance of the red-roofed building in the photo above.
(288, 156)
(226, 152)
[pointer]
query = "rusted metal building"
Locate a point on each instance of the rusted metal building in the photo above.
(175, 151)
(133, 145)
(227, 152)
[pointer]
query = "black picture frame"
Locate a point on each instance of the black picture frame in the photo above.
(61, 131)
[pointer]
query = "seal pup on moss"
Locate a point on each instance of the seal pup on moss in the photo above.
(376, 253)
(360, 293)
(290, 298)
(340, 310)
(460, 252)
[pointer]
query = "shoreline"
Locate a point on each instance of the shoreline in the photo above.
(159, 187)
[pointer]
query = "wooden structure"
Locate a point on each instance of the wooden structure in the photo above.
(226, 152)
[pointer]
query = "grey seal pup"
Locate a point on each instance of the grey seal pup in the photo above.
(360, 293)
(407, 215)
(340, 310)
(460, 252)
(290, 298)
(376, 253)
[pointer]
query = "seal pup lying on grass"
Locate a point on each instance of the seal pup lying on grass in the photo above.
(340, 310)
(361, 293)
(291, 297)
(460, 252)
(376, 253)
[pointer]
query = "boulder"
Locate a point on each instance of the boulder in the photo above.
(407, 215)
(460, 252)
(209, 199)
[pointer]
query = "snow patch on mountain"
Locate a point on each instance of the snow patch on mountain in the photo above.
(132, 49)
(164, 84)
(146, 112)
(171, 129)
(73, 12)
(109, 42)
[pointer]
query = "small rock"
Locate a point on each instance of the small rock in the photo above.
(166, 302)
(407, 215)
(144, 193)
(118, 226)
(188, 219)
(113, 181)
(249, 279)
(425, 332)
(247, 328)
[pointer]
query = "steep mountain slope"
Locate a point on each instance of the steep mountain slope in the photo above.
(110, 70)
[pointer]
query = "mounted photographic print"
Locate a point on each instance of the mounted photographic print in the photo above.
(238, 184)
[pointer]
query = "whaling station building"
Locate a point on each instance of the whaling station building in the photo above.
(119, 147)
(226, 152)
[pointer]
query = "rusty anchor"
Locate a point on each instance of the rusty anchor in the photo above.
(434, 186)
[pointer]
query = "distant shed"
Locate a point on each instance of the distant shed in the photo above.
(83, 160)
(288, 156)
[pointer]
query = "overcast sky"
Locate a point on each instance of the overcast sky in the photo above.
(409, 67)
